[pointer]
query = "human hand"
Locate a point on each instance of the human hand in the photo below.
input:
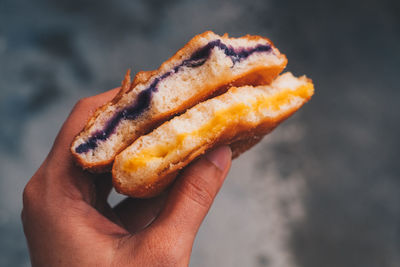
(68, 221)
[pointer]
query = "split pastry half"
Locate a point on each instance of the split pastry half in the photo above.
(240, 118)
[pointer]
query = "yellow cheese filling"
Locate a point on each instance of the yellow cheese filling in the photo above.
(220, 120)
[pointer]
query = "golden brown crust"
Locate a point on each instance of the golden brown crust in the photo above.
(125, 86)
(242, 146)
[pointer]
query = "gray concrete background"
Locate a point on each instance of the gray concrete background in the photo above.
(322, 190)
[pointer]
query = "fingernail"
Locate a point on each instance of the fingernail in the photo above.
(220, 157)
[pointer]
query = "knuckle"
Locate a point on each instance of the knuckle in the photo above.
(196, 188)
(24, 216)
(27, 194)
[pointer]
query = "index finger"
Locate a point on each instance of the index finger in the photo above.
(59, 176)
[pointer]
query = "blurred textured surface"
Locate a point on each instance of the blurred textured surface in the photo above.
(322, 190)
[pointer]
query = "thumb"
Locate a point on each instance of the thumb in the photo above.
(192, 195)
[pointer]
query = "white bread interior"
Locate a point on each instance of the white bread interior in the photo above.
(242, 114)
(176, 93)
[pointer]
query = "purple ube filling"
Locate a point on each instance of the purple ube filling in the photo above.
(143, 100)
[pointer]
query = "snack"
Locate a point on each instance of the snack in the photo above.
(240, 118)
(207, 66)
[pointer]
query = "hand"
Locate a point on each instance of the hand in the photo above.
(68, 222)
